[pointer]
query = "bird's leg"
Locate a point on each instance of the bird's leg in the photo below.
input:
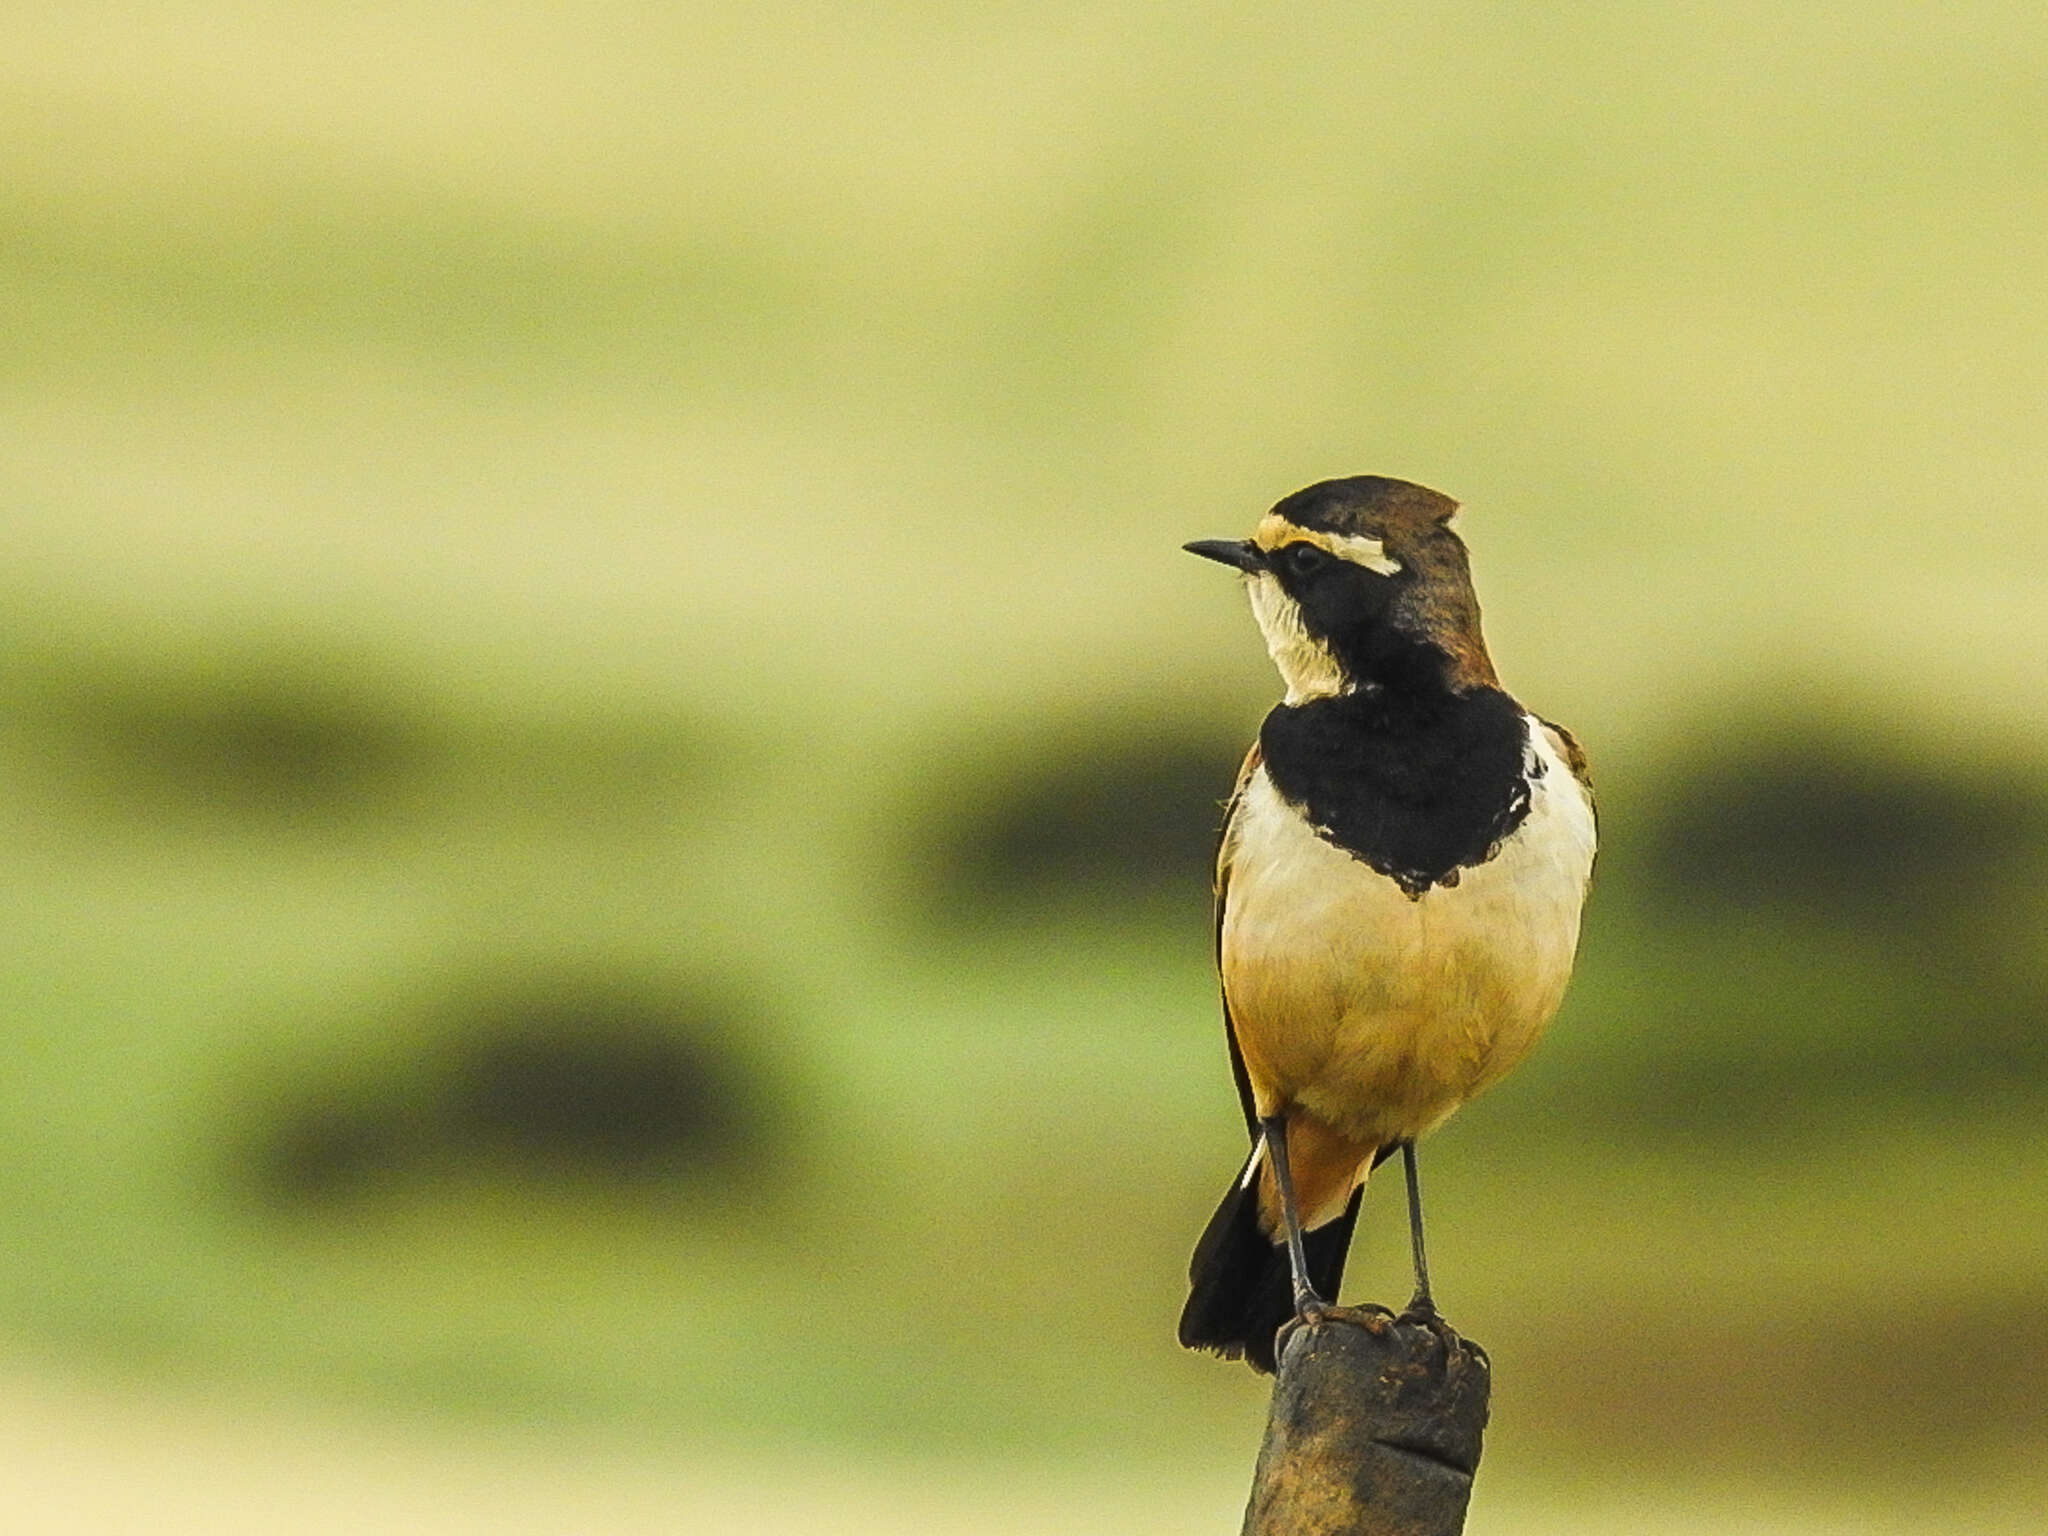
(1307, 1304)
(1423, 1308)
(1422, 1305)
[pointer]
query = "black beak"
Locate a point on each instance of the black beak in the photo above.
(1242, 553)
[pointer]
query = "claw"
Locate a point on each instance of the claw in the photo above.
(1422, 1313)
(1309, 1310)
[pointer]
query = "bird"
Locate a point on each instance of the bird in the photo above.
(1399, 881)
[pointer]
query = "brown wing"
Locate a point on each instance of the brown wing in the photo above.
(1237, 1071)
(1574, 759)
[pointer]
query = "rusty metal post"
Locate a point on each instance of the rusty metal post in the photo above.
(1375, 1431)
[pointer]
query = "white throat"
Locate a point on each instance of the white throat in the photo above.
(1306, 665)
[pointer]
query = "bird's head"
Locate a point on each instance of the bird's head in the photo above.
(1361, 582)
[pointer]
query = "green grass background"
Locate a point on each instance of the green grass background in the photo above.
(666, 473)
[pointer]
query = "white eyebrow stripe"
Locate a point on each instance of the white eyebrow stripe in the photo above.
(1359, 550)
(1275, 531)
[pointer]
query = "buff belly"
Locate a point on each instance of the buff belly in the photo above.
(1378, 1014)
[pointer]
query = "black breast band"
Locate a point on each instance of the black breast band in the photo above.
(1417, 789)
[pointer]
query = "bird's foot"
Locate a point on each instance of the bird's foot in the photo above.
(1309, 1310)
(1422, 1313)
(1308, 1306)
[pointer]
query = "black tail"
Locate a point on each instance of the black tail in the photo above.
(1243, 1293)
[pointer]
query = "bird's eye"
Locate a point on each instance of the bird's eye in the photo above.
(1304, 559)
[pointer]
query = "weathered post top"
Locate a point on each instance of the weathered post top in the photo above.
(1375, 1430)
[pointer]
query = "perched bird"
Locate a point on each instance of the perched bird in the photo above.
(1398, 889)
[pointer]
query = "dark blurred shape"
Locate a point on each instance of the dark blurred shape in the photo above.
(247, 741)
(322, 1151)
(1105, 817)
(579, 1083)
(1842, 924)
(1838, 828)
(270, 739)
(597, 1083)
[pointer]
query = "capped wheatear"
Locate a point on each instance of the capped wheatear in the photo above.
(1398, 890)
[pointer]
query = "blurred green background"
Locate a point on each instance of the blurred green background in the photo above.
(607, 755)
